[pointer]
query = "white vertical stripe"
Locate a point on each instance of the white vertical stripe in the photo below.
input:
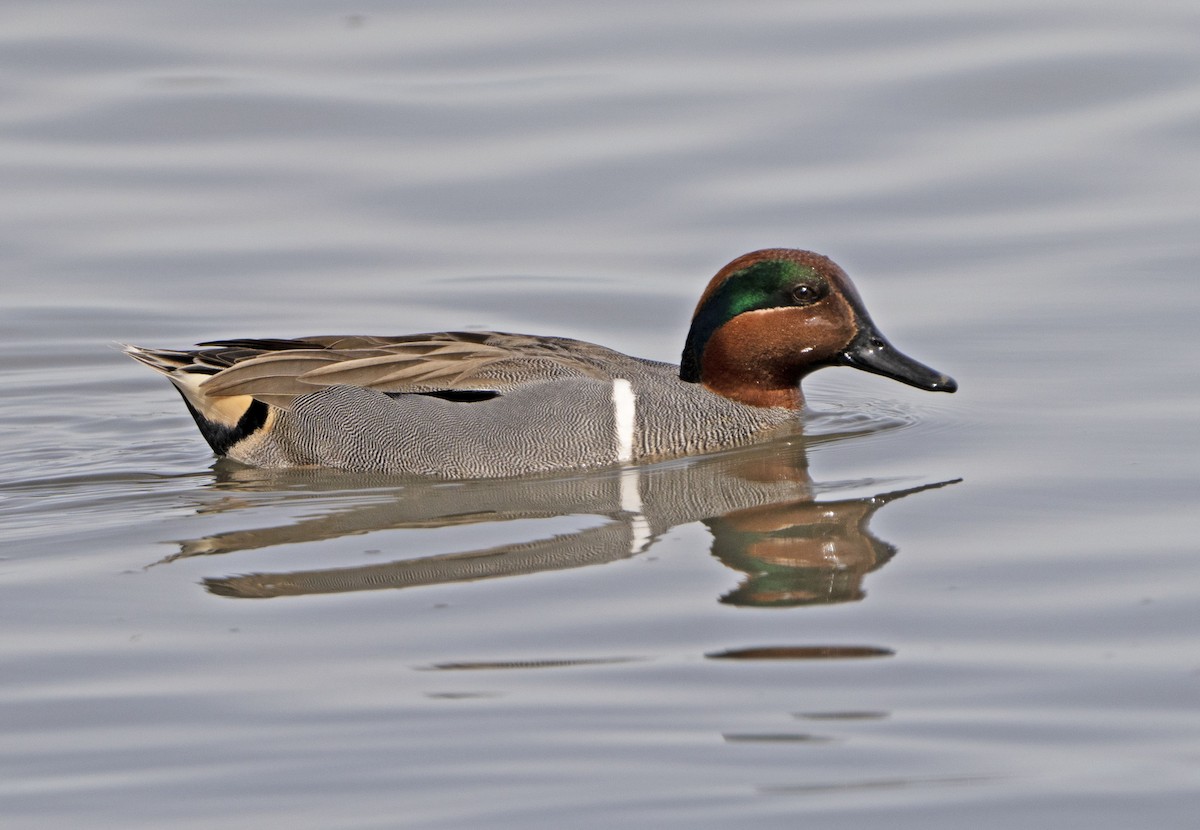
(631, 502)
(624, 414)
(631, 491)
(625, 419)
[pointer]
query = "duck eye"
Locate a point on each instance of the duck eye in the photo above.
(805, 293)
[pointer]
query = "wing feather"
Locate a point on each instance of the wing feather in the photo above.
(275, 371)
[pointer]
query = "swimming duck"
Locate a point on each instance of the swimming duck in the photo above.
(488, 404)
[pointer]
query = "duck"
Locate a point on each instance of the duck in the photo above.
(489, 404)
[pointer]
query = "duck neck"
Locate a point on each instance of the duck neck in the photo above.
(744, 375)
(752, 394)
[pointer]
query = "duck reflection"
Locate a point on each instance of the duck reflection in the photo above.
(758, 503)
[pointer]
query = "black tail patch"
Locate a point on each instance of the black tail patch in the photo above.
(221, 437)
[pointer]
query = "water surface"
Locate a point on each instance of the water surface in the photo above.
(926, 611)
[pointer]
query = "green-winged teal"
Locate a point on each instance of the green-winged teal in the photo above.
(482, 404)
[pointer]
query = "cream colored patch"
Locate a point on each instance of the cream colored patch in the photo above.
(625, 418)
(221, 410)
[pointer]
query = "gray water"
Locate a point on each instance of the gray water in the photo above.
(928, 611)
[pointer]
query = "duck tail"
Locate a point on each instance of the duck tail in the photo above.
(224, 420)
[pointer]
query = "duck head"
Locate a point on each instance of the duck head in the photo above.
(770, 317)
